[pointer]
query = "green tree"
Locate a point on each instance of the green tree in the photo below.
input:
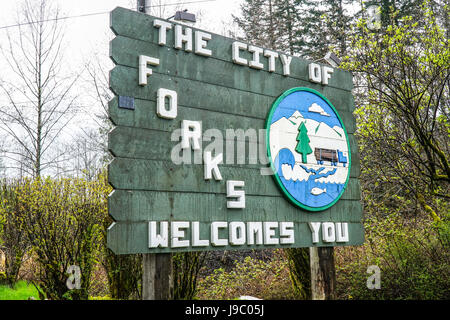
(303, 142)
(259, 23)
(403, 125)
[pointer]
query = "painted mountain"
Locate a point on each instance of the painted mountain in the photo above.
(321, 179)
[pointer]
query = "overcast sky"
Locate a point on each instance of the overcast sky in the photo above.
(86, 33)
(89, 35)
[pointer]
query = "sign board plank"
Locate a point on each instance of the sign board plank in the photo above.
(123, 81)
(129, 238)
(141, 174)
(128, 142)
(144, 116)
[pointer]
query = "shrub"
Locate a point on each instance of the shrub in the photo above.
(413, 256)
(124, 274)
(186, 267)
(12, 238)
(62, 221)
(265, 280)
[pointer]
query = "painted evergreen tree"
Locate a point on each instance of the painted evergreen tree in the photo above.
(303, 142)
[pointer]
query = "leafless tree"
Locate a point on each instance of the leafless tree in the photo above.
(38, 89)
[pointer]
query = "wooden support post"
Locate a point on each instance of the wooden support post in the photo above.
(157, 283)
(323, 273)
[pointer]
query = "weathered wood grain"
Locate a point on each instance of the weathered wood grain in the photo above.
(202, 95)
(135, 205)
(129, 142)
(138, 26)
(185, 65)
(323, 273)
(144, 116)
(157, 280)
(141, 174)
(123, 238)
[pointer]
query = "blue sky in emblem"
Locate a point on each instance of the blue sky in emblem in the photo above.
(301, 101)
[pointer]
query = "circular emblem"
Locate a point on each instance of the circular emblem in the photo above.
(308, 149)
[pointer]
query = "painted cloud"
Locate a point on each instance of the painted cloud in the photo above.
(317, 109)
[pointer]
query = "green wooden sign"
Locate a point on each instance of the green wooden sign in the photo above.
(222, 145)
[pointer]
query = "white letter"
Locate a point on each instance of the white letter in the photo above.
(177, 234)
(235, 54)
(215, 226)
(287, 232)
(341, 232)
(211, 166)
(254, 228)
(269, 232)
(158, 240)
(286, 61)
(326, 74)
(315, 227)
(163, 27)
(196, 242)
(190, 130)
(271, 56)
(255, 64)
(161, 104)
(181, 38)
(232, 193)
(328, 234)
(314, 73)
(144, 71)
(237, 233)
(200, 43)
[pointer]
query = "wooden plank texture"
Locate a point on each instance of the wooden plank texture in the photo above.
(144, 116)
(138, 26)
(216, 97)
(141, 174)
(128, 142)
(134, 205)
(132, 237)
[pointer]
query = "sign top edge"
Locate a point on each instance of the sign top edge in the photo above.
(119, 10)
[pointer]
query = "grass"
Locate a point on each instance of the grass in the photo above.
(21, 291)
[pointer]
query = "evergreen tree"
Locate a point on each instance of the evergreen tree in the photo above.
(327, 25)
(258, 22)
(303, 142)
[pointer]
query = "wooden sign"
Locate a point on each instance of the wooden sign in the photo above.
(222, 145)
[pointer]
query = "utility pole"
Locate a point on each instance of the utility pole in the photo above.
(157, 283)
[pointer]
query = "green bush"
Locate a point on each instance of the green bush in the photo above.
(413, 257)
(253, 277)
(186, 267)
(61, 220)
(12, 237)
